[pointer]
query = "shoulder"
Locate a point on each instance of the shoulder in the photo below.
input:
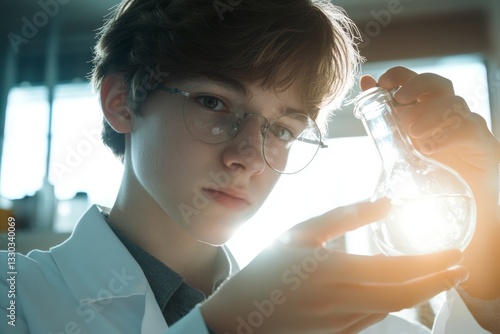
(28, 282)
(30, 275)
(69, 287)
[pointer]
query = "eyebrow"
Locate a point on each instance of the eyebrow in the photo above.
(238, 87)
(223, 80)
(289, 110)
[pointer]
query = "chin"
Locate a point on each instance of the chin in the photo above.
(215, 234)
(214, 242)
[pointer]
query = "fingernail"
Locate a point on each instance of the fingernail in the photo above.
(384, 203)
(411, 131)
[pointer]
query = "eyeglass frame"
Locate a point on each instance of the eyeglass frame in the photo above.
(264, 129)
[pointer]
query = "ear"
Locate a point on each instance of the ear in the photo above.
(114, 103)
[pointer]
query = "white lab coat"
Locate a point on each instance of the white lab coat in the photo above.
(91, 284)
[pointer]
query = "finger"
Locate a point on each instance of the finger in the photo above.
(336, 222)
(437, 113)
(391, 298)
(367, 82)
(341, 322)
(408, 114)
(423, 86)
(469, 136)
(383, 269)
(395, 77)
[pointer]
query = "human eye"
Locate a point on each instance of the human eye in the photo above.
(211, 103)
(282, 132)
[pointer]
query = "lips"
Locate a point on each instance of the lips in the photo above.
(228, 198)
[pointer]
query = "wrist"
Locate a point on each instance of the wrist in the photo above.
(484, 311)
(481, 258)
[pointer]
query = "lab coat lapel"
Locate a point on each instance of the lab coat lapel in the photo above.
(103, 269)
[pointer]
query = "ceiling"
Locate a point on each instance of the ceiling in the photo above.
(83, 16)
(79, 21)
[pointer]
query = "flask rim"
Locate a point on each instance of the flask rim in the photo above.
(370, 95)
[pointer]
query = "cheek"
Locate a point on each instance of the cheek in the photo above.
(150, 145)
(266, 184)
(158, 151)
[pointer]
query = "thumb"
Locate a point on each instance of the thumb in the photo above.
(334, 223)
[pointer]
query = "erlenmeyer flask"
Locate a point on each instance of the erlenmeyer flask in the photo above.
(433, 207)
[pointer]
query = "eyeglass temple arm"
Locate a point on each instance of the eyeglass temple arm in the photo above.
(173, 90)
(315, 142)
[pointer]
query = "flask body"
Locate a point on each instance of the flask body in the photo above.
(432, 206)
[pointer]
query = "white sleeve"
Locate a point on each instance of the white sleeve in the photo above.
(455, 318)
(192, 323)
(394, 324)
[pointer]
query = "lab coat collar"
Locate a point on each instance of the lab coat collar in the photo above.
(104, 269)
(114, 273)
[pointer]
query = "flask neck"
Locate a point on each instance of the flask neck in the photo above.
(383, 127)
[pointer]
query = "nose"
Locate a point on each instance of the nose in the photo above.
(243, 152)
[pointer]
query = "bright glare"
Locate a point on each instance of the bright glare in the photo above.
(336, 177)
(25, 142)
(421, 220)
(427, 224)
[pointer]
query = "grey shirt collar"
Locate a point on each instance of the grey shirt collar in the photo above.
(173, 295)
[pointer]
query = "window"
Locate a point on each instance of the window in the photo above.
(25, 142)
(79, 162)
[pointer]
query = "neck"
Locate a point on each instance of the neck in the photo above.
(139, 217)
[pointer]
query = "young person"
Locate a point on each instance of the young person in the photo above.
(201, 100)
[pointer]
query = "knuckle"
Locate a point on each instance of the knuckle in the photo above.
(457, 99)
(397, 68)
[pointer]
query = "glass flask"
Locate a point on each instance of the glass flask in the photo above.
(433, 208)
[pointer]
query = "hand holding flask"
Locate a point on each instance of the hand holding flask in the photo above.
(433, 207)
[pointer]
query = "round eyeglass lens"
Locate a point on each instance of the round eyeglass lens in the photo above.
(291, 143)
(210, 119)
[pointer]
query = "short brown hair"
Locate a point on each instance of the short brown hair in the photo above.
(273, 42)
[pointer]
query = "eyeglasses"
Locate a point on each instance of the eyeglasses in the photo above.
(289, 143)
